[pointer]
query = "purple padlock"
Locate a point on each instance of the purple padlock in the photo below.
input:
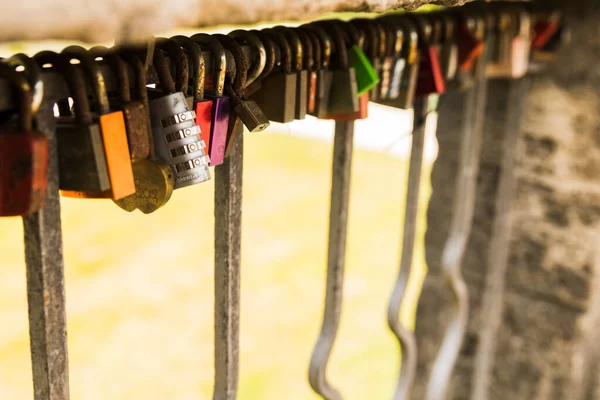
(221, 105)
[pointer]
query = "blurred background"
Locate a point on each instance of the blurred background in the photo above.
(140, 288)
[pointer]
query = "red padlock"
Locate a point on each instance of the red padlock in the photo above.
(202, 106)
(470, 43)
(23, 154)
(430, 79)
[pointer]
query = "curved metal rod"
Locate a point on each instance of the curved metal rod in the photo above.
(338, 223)
(406, 338)
(460, 229)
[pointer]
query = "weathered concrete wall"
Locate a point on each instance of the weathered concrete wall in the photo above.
(549, 306)
(93, 20)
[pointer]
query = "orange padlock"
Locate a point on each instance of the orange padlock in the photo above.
(362, 113)
(114, 134)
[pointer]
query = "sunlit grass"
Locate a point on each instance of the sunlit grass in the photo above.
(140, 288)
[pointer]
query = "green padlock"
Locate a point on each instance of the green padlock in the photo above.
(366, 75)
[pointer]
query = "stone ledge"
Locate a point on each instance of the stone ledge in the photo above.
(136, 20)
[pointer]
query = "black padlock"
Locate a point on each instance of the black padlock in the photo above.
(277, 94)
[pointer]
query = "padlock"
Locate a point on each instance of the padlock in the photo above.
(362, 113)
(499, 65)
(246, 111)
(343, 97)
(277, 95)
(521, 45)
(393, 62)
(195, 91)
(259, 60)
(176, 134)
(134, 111)
(324, 75)
(153, 177)
(547, 36)
(112, 128)
(298, 66)
(81, 158)
(311, 46)
(471, 32)
(405, 71)
(214, 87)
(366, 75)
(449, 48)
(23, 152)
(430, 78)
(372, 46)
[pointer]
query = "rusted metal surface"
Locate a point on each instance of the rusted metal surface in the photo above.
(460, 228)
(45, 278)
(406, 339)
(338, 226)
(228, 235)
(513, 94)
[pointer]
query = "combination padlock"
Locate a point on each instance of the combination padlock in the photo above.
(202, 106)
(23, 152)
(176, 134)
(214, 90)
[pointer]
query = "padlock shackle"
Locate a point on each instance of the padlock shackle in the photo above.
(308, 60)
(315, 47)
(219, 57)
(24, 95)
(269, 52)
(241, 64)
(354, 36)
(284, 49)
(258, 64)
(295, 45)
(198, 63)
(338, 41)
(93, 73)
(34, 76)
(179, 58)
(395, 37)
(324, 42)
(371, 36)
(75, 79)
(118, 68)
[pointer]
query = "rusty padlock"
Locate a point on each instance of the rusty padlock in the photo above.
(23, 152)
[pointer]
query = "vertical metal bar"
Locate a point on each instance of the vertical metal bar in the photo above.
(228, 234)
(45, 280)
(460, 229)
(406, 338)
(514, 92)
(338, 224)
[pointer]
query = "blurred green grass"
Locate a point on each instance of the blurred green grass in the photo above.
(140, 288)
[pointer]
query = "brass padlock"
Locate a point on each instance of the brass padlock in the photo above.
(154, 179)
